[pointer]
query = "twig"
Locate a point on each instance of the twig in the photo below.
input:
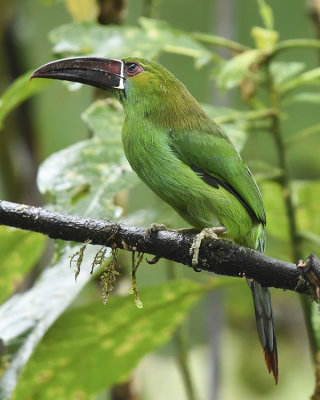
(219, 256)
(219, 41)
(296, 43)
(248, 115)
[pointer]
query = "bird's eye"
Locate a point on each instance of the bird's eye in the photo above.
(133, 69)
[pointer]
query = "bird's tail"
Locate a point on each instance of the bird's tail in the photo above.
(265, 325)
(264, 318)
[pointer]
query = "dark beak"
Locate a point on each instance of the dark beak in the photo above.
(103, 73)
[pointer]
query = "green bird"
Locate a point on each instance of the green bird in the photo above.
(185, 158)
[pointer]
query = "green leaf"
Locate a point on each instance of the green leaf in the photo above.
(83, 10)
(311, 77)
(237, 123)
(19, 251)
(19, 91)
(305, 97)
(264, 171)
(94, 347)
(266, 14)
(88, 176)
(277, 224)
(50, 2)
(235, 130)
(277, 227)
(234, 70)
(302, 135)
(27, 316)
(146, 41)
(105, 120)
(81, 179)
(264, 38)
(315, 321)
(283, 71)
(306, 196)
(311, 237)
(85, 177)
(308, 212)
(175, 41)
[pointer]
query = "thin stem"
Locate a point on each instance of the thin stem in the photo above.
(150, 7)
(249, 116)
(295, 237)
(181, 345)
(287, 190)
(296, 43)
(283, 165)
(219, 41)
(302, 135)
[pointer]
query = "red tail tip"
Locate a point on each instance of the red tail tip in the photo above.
(272, 363)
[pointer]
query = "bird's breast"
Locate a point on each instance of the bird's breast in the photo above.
(148, 151)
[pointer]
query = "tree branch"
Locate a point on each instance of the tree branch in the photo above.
(219, 256)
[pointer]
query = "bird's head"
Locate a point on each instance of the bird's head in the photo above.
(142, 86)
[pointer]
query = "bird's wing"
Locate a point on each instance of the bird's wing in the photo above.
(211, 154)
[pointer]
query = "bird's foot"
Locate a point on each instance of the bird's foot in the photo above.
(206, 233)
(153, 228)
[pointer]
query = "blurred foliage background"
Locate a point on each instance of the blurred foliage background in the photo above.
(195, 337)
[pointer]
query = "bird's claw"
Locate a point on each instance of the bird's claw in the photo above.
(206, 233)
(153, 228)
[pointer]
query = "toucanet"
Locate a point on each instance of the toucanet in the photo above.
(185, 158)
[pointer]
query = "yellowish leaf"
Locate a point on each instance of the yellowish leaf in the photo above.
(83, 10)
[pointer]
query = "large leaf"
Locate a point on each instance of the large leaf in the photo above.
(311, 77)
(50, 2)
(306, 197)
(82, 179)
(303, 134)
(234, 70)
(120, 41)
(105, 119)
(264, 38)
(237, 130)
(25, 318)
(91, 173)
(19, 251)
(93, 347)
(304, 97)
(83, 10)
(20, 90)
(277, 224)
(315, 321)
(266, 14)
(277, 227)
(85, 177)
(283, 71)
(264, 171)
(308, 213)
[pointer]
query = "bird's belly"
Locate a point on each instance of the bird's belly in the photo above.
(200, 204)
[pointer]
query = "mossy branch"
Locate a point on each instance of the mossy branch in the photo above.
(219, 256)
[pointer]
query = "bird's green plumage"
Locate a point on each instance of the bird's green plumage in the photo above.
(165, 134)
(184, 157)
